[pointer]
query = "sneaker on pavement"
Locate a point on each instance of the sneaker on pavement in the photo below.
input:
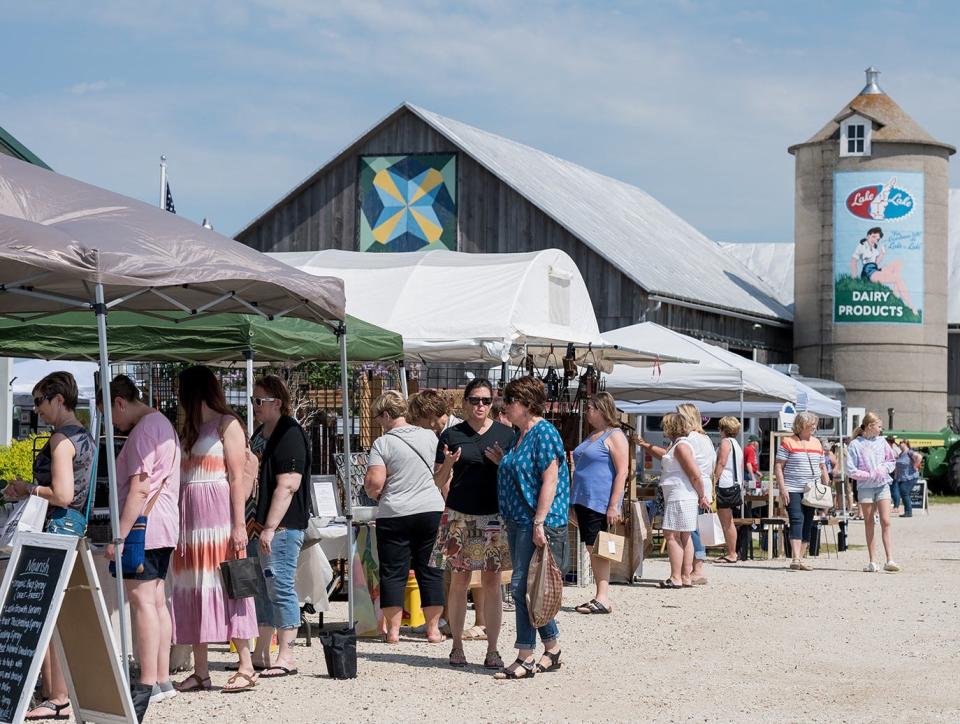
(871, 567)
(891, 567)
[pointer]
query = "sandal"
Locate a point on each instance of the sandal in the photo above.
(284, 671)
(475, 633)
(236, 667)
(555, 662)
(457, 657)
(528, 667)
(197, 685)
(726, 559)
(493, 660)
(57, 710)
(230, 688)
(587, 607)
(668, 583)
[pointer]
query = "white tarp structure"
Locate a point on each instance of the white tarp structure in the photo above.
(720, 377)
(458, 307)
(818, 404)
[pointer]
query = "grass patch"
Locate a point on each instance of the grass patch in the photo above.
(846, 285)
(943, 499)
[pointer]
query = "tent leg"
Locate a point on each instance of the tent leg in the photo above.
(402, 378)
(248, 356)
(101, 311)
(347, 466)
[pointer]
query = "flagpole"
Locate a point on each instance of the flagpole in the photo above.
(163, 182)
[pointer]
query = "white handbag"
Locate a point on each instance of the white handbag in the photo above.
(816, 494)
(711, 532)
(26, 516)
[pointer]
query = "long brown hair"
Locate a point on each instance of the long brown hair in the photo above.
(197, 385)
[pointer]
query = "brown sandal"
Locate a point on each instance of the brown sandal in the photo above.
(197, 685)
(493, 660)
(457, 657)
(230, 689)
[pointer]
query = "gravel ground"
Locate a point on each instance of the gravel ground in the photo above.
(758, 643)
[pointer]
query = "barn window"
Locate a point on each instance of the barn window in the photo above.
(855, 137)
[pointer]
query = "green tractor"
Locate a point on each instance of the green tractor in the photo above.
(941, 457)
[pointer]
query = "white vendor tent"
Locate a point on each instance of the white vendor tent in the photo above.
(458, 307)
(720, 375)
(817, 403)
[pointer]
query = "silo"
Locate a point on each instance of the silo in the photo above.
(871, 259)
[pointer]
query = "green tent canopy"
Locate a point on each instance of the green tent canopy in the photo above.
(213, 338)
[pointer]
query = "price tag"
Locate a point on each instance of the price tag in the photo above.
(611, 547)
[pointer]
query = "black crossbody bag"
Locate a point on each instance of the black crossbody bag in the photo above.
(731, 497)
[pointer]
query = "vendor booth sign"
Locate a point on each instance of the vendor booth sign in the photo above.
(878, 247)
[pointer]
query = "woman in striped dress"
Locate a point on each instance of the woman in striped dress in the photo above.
(212, 530)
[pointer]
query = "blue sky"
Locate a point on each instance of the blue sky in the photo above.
(695, 102)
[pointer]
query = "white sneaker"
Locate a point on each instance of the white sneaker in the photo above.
(871, 567)
(891, 567)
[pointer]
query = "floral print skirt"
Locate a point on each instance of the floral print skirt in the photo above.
(471, 543)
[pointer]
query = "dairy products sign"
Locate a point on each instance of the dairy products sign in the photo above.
(878, 247)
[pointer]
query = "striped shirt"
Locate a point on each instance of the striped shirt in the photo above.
(802, 460)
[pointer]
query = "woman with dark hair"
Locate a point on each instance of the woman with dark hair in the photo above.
(600, 468)
(212, 530)
(431, 409)
(282, 505)
(471, 536)
(61, 474)
(533, 489)
(870, 252)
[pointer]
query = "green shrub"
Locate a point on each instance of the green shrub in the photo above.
(16, 460)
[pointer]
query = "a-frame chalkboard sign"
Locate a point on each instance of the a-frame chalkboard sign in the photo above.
(50, 592)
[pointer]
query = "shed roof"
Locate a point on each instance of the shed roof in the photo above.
(651, 245)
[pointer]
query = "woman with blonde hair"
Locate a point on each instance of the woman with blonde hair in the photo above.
(400, 476)
(870, 461)
(706, 457)
(599, 476)
(728, 474)
(800, 461)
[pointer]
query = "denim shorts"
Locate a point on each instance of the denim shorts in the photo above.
(873, 495)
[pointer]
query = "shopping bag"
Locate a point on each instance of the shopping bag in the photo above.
(544, 587)
(636, 531)
(711, 532)
(26, 516)
(340, 653)
(609, 546)
(242, 577)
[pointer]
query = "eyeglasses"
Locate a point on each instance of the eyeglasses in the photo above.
(258, 401)
(477, 401)
(37, 401)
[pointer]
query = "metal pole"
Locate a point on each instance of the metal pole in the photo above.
(163, 182)
(101, 311)
(248, 356)
(402, 379)
(347, 467)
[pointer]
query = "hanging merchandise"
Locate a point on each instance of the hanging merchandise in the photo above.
(570, 364)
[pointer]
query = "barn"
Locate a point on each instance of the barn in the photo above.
(419, 180)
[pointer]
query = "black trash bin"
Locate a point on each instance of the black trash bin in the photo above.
(340, 652)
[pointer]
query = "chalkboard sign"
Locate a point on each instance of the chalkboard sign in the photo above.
(918, 495)
(32, 590)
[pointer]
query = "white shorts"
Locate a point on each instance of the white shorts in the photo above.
(873, 495)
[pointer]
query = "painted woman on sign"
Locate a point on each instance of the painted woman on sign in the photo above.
(870, 252)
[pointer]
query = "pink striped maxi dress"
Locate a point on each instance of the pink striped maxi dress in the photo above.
(202, 612)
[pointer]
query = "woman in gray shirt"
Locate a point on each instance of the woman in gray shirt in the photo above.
(400, 476)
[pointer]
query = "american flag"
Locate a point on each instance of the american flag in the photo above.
(168, 204)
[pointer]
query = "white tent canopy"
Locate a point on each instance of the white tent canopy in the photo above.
(458, 307)
(817, 403)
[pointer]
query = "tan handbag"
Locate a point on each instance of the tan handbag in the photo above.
(544, 587)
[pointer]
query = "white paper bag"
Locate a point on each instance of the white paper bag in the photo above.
(27, 516)
(711, 532)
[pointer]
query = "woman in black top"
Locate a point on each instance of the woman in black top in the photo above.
(470, 537)
(280, 511)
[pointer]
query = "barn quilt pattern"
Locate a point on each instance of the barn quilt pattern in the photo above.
(408, 202)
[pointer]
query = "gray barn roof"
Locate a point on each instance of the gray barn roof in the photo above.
(651, 245)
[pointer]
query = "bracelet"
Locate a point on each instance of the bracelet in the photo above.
(538, 524)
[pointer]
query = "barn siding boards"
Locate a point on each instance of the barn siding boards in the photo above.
(492, 218)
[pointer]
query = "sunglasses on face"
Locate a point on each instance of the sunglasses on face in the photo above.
(259, 401)
(37, 401)
(478, 401)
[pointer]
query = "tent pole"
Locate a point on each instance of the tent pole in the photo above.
(347, 466)
(101, 311)
(402, 378)
(248, 356)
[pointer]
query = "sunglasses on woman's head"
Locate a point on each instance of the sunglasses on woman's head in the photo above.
(477, 401)
(259, 401)
(37, 401)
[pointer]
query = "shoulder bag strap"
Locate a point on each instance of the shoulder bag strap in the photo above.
(154, 498)
(417, 452)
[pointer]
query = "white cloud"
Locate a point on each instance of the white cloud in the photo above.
(79, 89)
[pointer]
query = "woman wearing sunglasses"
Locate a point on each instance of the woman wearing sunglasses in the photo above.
(471, 536)
(61, 474)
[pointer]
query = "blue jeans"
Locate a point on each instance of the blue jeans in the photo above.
(520, 540)
(699, 550)
(895, 494)
(801, 517)
(278, 605)
(904, 488)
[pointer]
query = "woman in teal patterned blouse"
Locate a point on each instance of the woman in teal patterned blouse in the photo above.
(533, 488)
